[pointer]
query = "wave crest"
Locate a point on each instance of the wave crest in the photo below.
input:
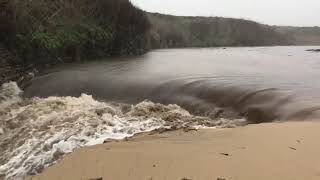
(37, 132)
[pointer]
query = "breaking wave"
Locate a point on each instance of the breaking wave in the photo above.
(205, 87)
(35, 133)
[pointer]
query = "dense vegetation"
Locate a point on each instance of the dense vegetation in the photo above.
(301, 35)
(176, 31)
(68, 30)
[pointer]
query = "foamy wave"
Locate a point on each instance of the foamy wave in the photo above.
(9, 94)
(35, 133)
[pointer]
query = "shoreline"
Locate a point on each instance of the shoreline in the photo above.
(11, 71)
(286, 151)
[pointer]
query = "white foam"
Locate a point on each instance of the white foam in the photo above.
(36, 133)
(41, 130)
(9, 94)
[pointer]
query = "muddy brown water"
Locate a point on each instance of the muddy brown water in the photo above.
(260, 83)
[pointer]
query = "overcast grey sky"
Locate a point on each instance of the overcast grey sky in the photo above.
(273, 12)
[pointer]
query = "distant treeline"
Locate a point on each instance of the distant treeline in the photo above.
(181, 31)
(177, 31)
(301, 35)
(68, 30)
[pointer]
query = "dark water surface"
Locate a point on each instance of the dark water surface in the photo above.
(260, 83)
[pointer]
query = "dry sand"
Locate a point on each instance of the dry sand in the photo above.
(280, 151)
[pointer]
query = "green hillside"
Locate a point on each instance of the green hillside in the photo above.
(177, 31)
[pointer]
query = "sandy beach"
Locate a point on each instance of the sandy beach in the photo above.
(277, 151)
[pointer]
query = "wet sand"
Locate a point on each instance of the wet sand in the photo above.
(278, 151)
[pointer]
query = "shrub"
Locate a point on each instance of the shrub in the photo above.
(47, 30)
